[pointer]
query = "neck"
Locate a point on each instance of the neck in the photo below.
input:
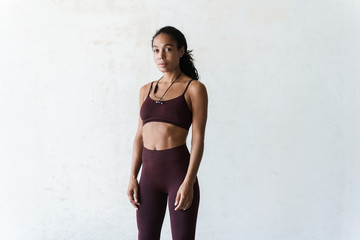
(170, 76)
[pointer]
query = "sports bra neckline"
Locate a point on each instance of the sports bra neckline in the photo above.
(182, 95)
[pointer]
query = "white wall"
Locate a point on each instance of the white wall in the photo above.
(282, 151)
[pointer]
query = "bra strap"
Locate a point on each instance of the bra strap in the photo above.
(150, 87)
(187, 86)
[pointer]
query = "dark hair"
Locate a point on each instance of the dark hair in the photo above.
(186, 61)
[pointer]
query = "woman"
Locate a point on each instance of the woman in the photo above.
(168, 107)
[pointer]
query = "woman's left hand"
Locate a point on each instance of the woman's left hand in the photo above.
(184, 196)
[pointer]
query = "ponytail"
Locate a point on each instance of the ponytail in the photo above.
(187, 65)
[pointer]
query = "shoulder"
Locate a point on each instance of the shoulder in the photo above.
(197, 92)
(143, 92)
(197, 87)
(145, 88)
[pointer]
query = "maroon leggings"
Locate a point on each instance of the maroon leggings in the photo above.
(162, 173)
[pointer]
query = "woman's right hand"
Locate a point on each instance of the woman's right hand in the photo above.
(133, 193)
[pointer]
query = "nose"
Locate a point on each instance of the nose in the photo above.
(162, 54)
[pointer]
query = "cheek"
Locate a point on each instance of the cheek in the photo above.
(173, 56)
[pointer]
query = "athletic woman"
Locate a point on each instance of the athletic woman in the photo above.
(168, 107)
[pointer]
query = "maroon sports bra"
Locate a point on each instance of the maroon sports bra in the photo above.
(174, 111)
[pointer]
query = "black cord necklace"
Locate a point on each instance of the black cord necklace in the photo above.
(156, 88)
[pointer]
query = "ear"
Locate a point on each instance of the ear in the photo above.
(181, 51)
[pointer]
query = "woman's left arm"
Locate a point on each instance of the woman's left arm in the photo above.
(199, 105)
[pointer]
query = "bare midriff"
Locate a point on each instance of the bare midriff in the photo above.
(160, 135)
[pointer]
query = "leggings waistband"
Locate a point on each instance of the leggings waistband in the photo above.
(166, 156)
(183, 146)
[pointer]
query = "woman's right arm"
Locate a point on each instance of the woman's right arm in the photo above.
(133, 188)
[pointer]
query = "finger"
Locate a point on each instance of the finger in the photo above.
(136, 196)
(181, 204)
(132, 201)
(130, 196)
(178, 196)
(187, 206)
(188, 203)
(135, 206)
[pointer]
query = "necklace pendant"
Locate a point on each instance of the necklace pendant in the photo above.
(160, 102)
(156, 87)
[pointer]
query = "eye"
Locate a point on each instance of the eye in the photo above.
(155, 50)
(168, 49)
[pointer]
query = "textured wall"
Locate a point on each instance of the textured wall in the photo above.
(282, 135)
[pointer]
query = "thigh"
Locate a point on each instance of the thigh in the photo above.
(151, 212)
(183, 222)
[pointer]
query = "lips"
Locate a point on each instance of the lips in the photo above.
(162, 64)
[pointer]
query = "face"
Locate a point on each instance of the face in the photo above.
(166, 53)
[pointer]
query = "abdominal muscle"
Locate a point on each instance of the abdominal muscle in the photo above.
(160, 136)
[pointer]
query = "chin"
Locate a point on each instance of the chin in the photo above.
(163, 70)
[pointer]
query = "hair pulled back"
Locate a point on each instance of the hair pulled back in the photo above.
(186, 61)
